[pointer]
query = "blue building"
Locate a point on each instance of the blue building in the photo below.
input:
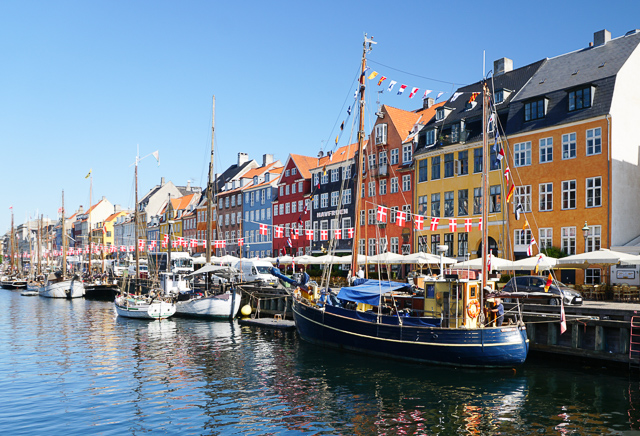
(258, 197)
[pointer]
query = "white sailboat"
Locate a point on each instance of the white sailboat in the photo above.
(58, 285)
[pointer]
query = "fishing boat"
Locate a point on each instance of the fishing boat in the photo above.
(143, 307)
(58, 284)
(439, 320)
(214, 295)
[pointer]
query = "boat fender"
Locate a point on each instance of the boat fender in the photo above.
(473, 308)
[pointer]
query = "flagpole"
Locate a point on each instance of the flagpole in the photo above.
(210, 183)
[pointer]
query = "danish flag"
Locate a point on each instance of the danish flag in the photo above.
(278, 231)
(295, 233)
(180, 240)
(350, 232)
(324, 235)
(309, 234)
(153, 244)
(382, 214)
(174, 243)
(480, 223)
(131, 248)
(467, 225)
(164, 244)
(337, 233)
(401, 218)
(453, 225)
(193, 243)
(434, 224)
(123, 248)
(418, 221)
(166, 238)
(263, 229)
(240, 242)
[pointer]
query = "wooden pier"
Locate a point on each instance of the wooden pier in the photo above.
(597, 330)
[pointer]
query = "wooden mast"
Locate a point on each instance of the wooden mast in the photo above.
(11, 237)
(485, 189)
(64, 242)
(135, 225)
(210, 185)
(358, 163)
(89, 235)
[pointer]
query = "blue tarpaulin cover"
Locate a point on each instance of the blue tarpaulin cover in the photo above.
(369, 292)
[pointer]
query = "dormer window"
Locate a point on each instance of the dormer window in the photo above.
(266, 177)
(455, 133)
(430, 137)
(381, 134)
(501, 95)
(255, 180)
(440, 114)
(535, 110)
(580, 98)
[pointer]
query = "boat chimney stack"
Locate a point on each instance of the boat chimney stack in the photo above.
(442, 249)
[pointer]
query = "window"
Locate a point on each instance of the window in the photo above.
(346, 196)
(268, 213)
(448, 204)
(406, 182)
(394, 185)
(316, 201)
(287, 173)
(435, 168)
(435, 241)
(594, 192)
(448, 165)
(463, 165)
(580, 99)
(382, 158)
(495, 198)
(422, 171)
(395, 156)
(383, 187)
(594, 141)
(282, 209)
(423, 204)
(381, 134)
(334, 198)
(494, 162)
(546, 150)
(463, 244)
(393, 214)
(521, 237)
(372, 161)
(246, 216)
(324, 199)
(435, 206)
(593, 238)
(362, 190)
(593, 276)
(407, 153)
(463, 202)
(275, 210)
(407, 209)
(316, 179)
(477, 160)
(569, 194)
(268, 193)
(324, 178)
(372, 188)
(522, 196)
(455, 133)
(534, 110)
(294, 206)
(430, 137)
(477, 201)
(371, 217)
(233, 219)
(546, 197)
(569, 146)
(395, 244)
(262, 196)
(373, 242)
(522, 154)
(568, 237)
(233, 200)
(545, 238)
(448, 241)
(286, 190)
(293, 188)
(346, 172)
(299, 186)
(226, 202)
(362, 247)
(498, 97)
(382, 247)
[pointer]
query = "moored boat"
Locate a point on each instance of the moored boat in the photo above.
(143, 307)
(59, 287)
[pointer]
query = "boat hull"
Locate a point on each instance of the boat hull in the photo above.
(136, 308)
(505, 346)
(63, 289)
(222, 306)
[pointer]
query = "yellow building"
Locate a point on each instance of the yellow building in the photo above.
(172, 214)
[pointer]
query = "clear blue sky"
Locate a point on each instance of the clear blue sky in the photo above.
(83, 83)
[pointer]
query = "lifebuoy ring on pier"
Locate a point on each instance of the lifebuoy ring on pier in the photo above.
(473, 308)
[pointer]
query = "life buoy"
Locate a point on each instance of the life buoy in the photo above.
(473, 308)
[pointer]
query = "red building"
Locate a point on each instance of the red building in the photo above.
(294, 188)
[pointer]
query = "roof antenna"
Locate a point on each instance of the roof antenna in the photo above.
(380, 114)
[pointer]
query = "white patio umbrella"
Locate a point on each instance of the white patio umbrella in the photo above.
(346, 260)
(422, 258)
(529, 264)
(227, 259)
(285, 260)
(304, 260)
(325, 260)
(386, 259)
(598, 257)
(496, 263)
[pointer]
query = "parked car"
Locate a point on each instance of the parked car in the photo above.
(531, 284)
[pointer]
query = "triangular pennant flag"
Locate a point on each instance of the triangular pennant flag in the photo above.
(426, 92)
(382, 79)
(401, 90)
(510, 194)
(391, 85)
(413, 92)
(372, 75)
(519, 210)
(507, 173)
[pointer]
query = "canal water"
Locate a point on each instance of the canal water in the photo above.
(73, 367)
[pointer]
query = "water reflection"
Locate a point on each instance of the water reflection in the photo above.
(86, 370)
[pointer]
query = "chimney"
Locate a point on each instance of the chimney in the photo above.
(601, 37)
(427, 102)
(502, 65)
(242, 158)
(161, 181)
(80, 210)
(117, 208)
(267, 159)
(188, 185)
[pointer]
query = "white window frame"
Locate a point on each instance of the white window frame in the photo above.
(395, 156)
(407, 153)
(569, 146)
(394, 185)
(522, 196)
(546, 150)
(544, 195)
(545, 237)
(406, 182)
(593, 192)
(569, 194)
(522, 154)
(594, 141)
(568, 240)
(381, 134)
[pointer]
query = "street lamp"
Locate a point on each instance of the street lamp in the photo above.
(585, 233)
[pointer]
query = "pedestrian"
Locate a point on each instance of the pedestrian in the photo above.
(498, 309)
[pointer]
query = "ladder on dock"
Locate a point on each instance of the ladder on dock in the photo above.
(634, 343)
